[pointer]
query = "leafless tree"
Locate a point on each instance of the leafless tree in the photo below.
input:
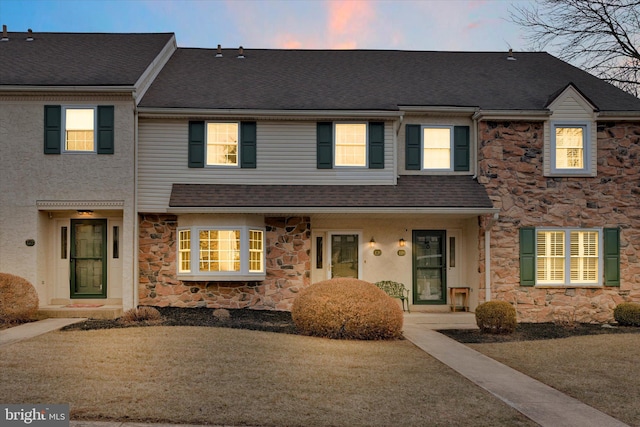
(599, 36)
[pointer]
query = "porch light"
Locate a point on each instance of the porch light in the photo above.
(401, 242)
(372, 242)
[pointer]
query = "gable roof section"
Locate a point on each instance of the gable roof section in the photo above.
(371, 80)
(412, 192)
(78, 59)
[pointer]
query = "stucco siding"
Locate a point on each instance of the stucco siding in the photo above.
(286, 154)
(29, 177)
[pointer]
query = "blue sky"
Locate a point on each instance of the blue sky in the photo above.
(475, 25)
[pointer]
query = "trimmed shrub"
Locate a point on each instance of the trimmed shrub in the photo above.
(627, 314)
(496, 317)
(146, 314)
(18, 299)
(345, 308)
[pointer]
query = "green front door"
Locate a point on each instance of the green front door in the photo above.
(429, 267)
(88, 258)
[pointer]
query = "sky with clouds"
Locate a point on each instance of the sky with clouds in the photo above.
(472, 25)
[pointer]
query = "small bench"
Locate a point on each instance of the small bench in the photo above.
(395, 290)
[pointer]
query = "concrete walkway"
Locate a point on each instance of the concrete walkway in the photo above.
(32, 329)
(539, 402)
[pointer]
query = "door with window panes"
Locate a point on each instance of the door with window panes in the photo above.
(429, 267)
(88, 258)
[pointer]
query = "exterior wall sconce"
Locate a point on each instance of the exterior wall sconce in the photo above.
(401, 243)
(372, 242)
(84, 212)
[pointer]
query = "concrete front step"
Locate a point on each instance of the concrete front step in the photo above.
(438, 321)
(103, 312)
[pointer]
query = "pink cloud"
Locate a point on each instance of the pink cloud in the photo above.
(350, 22)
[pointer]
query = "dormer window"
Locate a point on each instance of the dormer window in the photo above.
(570, 151)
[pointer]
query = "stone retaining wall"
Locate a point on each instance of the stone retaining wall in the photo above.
(288, 244)
(511, 169)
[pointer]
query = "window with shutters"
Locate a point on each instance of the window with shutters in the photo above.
(79, 125)
(351, 144)
(437, 148)
(437, 144)
(222, 144)
(570, 150)
(221, 253)
(568, 257)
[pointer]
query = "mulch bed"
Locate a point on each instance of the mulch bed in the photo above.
(258, 320)
(280, 321)
(538, 331)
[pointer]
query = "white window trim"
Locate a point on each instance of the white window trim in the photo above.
(366, 145)
(206, 145)
(243, 274)
(567, 258)
(451, 148)
(587, 169)
(63, 126)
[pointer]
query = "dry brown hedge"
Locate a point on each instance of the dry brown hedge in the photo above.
(143, 314)
(345, 308)
(18, 299)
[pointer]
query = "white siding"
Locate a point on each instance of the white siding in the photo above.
(286, 154)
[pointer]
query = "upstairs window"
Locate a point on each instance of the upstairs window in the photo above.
(72, 129)
(351, 144)
(222, 144)
(570, 149)
(437, 148)
(79, 125)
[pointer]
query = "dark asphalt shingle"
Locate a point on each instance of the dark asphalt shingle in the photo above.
(78, 59)
(371, 79)
(412, 191)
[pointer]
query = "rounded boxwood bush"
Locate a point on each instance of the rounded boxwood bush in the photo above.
(143, 314)
(627, 314)
(346, 308)
(18, 299)
(496, 317)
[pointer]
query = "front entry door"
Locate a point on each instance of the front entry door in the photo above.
(429, 267)
(88, 258)
(344, 255)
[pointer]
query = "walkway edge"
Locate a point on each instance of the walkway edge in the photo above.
(33, 329)
(537, 401)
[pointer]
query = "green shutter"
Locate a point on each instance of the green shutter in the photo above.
(248, 145)
(376, 145)
(52, 129)
(196, 144)
(461, 148)
(324, 137)
(527, 256)
(611, 257)
(412, 147)
(105, 129)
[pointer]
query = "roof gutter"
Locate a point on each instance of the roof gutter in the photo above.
(148, 112)
(534, 115)
(336, 210)
(617, 115)
(106, 89)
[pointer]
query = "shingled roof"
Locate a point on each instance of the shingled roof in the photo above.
(78, 59)
(371, 80)
(411, 192)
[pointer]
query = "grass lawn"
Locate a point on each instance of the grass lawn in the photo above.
(599, 370)
(198, 375)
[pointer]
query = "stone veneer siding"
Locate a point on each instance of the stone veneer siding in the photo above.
(511, 169)
(288, 245)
